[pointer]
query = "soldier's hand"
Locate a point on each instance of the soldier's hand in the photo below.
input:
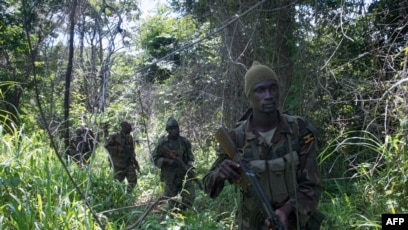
(283, 214)
(229, 170)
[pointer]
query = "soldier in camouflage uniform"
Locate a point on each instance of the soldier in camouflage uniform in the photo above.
(120, 146)
(273, 144)
(172, 173)
(82, 145)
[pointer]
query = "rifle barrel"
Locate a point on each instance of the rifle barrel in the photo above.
(229, 147)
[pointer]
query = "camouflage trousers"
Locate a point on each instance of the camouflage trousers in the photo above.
(186, 190)
(128, 172)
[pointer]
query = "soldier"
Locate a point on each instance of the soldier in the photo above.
(281, 149)
(121, 150)
(82, 145)
(170, 155)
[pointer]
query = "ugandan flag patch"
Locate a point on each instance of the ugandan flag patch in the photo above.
(308, 138)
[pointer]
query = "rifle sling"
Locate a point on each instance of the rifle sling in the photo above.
(294, 179)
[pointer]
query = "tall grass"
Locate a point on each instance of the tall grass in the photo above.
(370, 179)
(374, 181)
(36, 192)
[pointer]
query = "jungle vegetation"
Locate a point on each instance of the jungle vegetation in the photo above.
(63, 63)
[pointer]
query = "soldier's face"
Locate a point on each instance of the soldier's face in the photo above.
(126, 129)
(173, 131)
(264, 96)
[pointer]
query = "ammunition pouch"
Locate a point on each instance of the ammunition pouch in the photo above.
(279, 172)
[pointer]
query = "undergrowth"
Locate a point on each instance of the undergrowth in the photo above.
(36, 192)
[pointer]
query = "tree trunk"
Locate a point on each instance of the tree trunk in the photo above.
(68, 74)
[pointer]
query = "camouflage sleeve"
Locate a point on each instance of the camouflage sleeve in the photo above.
(308, 174)
(113, 147)
(211, 186)
(157, 155)
(91, 140)
(190, 155)
(72, 146)
(132, 145)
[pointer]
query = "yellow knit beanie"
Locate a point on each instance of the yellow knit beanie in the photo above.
(257, 73)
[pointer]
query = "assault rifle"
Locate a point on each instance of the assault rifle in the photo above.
(190, 173)
(131, 156)
(228, 146)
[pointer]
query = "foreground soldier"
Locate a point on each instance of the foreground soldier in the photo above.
(82, 145)
(173, 173)
(121, 150)
(272, 144)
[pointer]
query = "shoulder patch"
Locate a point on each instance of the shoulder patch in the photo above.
(308, 138)
(306, 130)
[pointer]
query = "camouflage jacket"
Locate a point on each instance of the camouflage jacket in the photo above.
(120, 147)
(293, 146)
(181, 148)
(83, 143)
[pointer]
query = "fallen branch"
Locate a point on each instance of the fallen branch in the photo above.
(144, 214)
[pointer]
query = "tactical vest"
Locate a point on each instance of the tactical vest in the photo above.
(180, 148)
(276, 174)
(119, 157)
(278, 170)
(171, 173)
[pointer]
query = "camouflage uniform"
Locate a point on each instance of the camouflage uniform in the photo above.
(121, 151)
(273, 164)
(173, 176)
(82, 145)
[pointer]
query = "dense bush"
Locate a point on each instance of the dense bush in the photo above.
(37, 193)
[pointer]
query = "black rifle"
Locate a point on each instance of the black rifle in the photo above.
(190, 172)
(228, 146)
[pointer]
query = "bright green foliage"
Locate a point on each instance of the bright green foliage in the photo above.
(344, 63)
(12, 57)
(161, 35)
(374, 181)
(24, 26)
(37, 194)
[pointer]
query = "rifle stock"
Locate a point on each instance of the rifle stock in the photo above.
(228, 146)
(190, 172)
